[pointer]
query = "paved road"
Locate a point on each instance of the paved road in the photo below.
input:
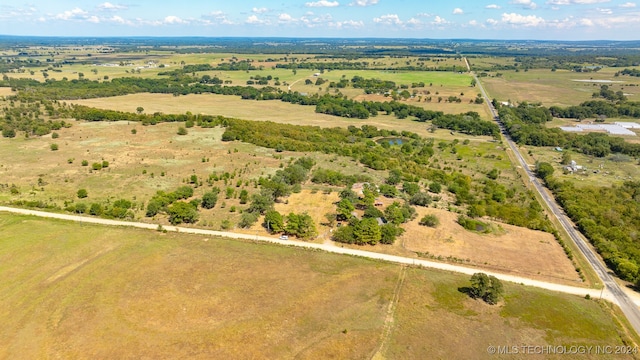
(325, 247)
(628, 307)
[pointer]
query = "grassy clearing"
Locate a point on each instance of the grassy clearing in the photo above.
(607, 171)
(433, 317)
(75, 290)
(556, 88)
(84, 291)
(512, 249)
(232, 106)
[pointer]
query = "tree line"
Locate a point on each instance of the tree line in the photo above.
(526, 125)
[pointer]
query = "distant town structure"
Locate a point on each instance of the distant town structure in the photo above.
(573, 167)
(619, 128)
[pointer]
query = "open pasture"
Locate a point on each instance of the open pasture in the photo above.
(605, 172)
(512, 249)
(233, 106)
(561, 87)
(76, 290)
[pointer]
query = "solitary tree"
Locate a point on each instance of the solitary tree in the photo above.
(139, 109)
(487, 288)
(544, 169)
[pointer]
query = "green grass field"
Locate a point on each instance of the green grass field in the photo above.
(557, 88)
(87, 291)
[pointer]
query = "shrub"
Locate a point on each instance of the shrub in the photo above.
(429, 220)
(82, 193)
(54, 147)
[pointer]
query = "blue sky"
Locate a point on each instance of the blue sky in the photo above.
(476, 19)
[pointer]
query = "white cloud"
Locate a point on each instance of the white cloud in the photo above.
(75, 14)
(389, 19)
(605, 11)
(492, 6)
(216, 17)
(439, 21)
(458, 11)
(527, 4)
(323, 3)
(414, 22)
(628, 5)
(285, 18)
(93, 19)
(349, 24)
(492, 22)
(254, 20)
(259, 10)
(517, 19)
(107, 6)
(364, 3)
(119, 20)
(10, 12)
(586, 22)
(174, 20)
(577, 2)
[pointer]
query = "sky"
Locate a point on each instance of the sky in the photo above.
(468, 19)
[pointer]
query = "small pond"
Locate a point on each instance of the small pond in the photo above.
(392, 141)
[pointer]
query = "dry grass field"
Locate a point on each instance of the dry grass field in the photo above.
(155, 158)
(562, 88)
(607, 171)
(512, 249)
(84, 291)
(232, 106)
(432, 317)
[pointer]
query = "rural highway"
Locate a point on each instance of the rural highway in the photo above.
(580, 291)
(628, 307)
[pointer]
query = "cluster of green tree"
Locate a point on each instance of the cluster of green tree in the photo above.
(298, 225)
(525, 124)
(609, 217)
(573, 62)
(372, 85)
(188, 69)
(597, 109)
(336, 178)
(288, 179)
(468, 123)
(26, 117)
(119, 209)
(609, 94)
(629, 72)
(161, 201)
(242, 65)
(375, 226)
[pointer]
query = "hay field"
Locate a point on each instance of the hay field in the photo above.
(88, 291)
(562, 87)
(232, 106)
(513, 249)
